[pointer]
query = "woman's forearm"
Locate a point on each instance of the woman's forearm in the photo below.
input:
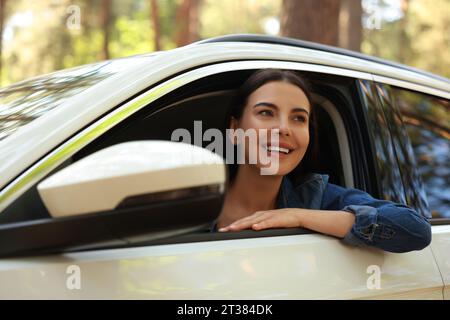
(334, 223)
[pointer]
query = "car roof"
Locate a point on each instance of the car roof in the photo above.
(260, 38)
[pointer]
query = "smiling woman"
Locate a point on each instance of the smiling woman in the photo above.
(279, 102)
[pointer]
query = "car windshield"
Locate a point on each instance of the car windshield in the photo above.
(28, 100)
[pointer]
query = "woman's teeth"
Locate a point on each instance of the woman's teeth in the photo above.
(277, 149)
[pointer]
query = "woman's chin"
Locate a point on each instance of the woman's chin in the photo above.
(275, 168)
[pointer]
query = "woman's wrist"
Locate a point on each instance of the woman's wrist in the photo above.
(335, 223)
(300, 214)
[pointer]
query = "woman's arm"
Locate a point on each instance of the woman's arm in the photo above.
(379, 223)
(353, 215)
(333, 223)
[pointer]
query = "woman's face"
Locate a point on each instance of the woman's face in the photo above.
(283, 106)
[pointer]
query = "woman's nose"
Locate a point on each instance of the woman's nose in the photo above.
(284, 127)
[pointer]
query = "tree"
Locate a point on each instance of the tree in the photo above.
(2, 22)
(106, 17)
(187, 25)
(403, 37)
(350, 26)
(312, 20)
(155, 24)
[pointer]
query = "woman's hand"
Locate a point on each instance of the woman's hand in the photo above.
(279, 218)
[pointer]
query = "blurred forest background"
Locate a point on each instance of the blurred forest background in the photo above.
(40, 36)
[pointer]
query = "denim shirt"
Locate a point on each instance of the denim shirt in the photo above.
(378, 223)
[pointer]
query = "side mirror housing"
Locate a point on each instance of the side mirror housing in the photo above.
(132, 174)
(133, 192)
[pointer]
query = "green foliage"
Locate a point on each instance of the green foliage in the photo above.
(131, 36)
(86, 49)
(45, 44)
(429, 31)
(39, 40)
(421, 39)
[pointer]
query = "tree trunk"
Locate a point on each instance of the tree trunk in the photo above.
(155, 24)
(403, 37)
(2, 22)
(311, 20)
(187, 23)
(106, 17)
(350, 25)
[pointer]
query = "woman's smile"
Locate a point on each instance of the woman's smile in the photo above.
(281, 150)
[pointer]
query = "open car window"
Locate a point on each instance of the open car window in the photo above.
(208, 100)
(207, 108)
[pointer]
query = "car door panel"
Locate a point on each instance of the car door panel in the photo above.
(286, 267)
(441, 250)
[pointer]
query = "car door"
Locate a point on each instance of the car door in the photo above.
(422, 131)
(272, 264)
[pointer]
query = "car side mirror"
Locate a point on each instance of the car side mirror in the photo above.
(133, 174)
(133, 192)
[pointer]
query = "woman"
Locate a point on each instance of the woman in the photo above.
(280, 101)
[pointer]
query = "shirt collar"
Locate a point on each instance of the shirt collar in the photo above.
(307, 194)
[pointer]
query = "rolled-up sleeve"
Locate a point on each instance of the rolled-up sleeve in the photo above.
(378, 223)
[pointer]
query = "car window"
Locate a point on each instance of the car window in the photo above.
(209, 107)
(387, 172)
(205, 100)
(427, 121)
(28, 100)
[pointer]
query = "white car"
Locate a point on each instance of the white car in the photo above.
(97, 202)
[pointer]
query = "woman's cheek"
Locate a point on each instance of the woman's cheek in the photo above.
(302, 142)
(303, 138)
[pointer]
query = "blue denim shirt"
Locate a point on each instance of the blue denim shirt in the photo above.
(378, 223)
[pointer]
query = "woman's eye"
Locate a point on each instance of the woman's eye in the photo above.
(300, 118)
(265, 113)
